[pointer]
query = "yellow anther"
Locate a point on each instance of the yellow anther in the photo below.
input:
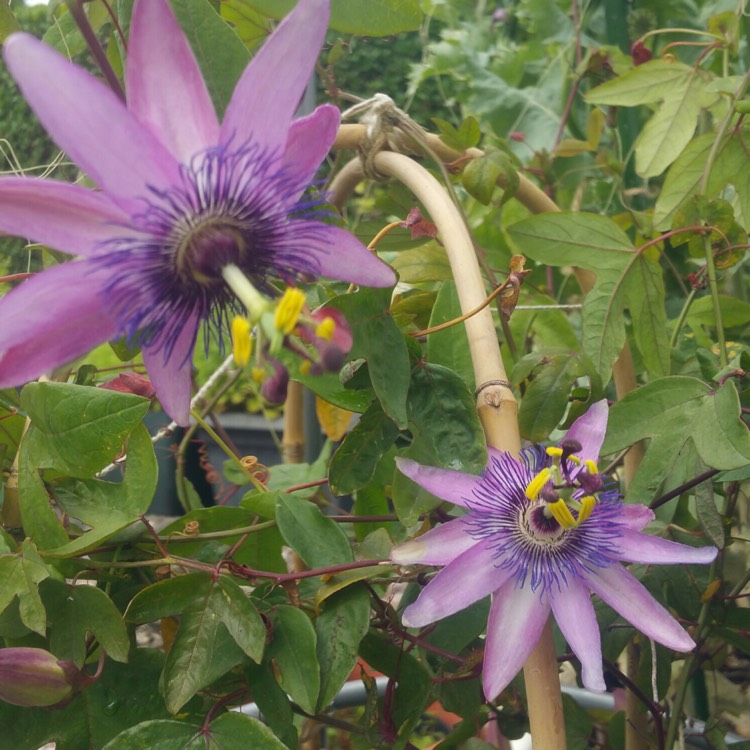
(554, 451)
(304, 367)
(587, 505)
(537, 483)
(288, 310)
(574, 459)
(591, 466)
(561, 513)
(258, 374)
(242, 344)
(326, 329)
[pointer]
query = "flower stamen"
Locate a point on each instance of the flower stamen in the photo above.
(536, 485)
(242, 344)
(288, 310)
(561, 513)
(587, 506)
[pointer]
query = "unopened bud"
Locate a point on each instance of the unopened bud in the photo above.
(274, 388)
(35, 677)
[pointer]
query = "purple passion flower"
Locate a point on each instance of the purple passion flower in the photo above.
(541, 533)
(185, 204)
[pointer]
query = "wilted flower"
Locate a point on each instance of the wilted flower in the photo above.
(187, 208)
(35, 677)
(540, 534)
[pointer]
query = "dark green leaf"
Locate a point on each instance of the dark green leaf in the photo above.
(442, 412)
(81, 610)
(340, 628)
(220, 52)
(109, 507)
(450, 347)
(293, 654)
(20, 575)
(363, 17)
(78, 429)
(354, 463)
(318, 540)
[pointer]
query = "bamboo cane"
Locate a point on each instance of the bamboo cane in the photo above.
(497, 407)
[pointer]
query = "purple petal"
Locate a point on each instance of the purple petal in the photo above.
(439, 546)
(337, 254)
(88, 121)
(469, 578)
(517, 618)
(589, 430)
(630, 599)
(574, 613)
(63, 216)
(309, 140)
(171, 373)
(51, 319)
(635, 517)
(164, 84)
(272, 85)
(453, 486)
(647, 549)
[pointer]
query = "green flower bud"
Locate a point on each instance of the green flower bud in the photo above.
(34, 677)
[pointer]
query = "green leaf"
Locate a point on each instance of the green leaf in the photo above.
(450, 347)
(231, 731)
(650, 82)
(354, 463)
(413, 684)
(40, 522)
(82, 610)
(293, 653)
(734, 312)
(318, 540)
(363, 17)
(340, 628)
(250, 26)
(443, 414)
(465, 136)
(273, 703)
(202, 652)
(481, 174)
(217, 621)
(8, 21)
(547, 395)
(708, 514)
(423, 264)
(643, 288)
(220, 52)
(598, 244)
(722, 440)
(241, 619)
(20, 576)
(671, 412)
(109, 507)
(686, 174)
(78, 429)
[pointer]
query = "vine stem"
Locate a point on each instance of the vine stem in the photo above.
(496, 405)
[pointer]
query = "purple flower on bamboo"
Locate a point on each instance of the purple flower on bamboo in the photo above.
(541, 533)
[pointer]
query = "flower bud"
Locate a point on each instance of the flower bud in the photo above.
(275, 387)
(34, 677)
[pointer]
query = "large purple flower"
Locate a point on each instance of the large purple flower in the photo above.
(186, 206)
(541, 533)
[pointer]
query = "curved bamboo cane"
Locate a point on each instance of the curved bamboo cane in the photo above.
(496, 404)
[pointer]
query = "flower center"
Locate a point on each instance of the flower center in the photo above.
(206, 248)
(538, 526)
